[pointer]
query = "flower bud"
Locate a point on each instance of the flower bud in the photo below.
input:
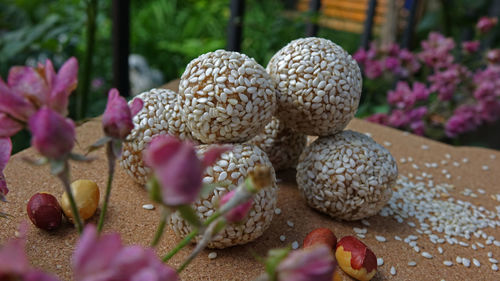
(239, 212)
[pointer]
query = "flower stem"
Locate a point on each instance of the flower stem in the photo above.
(111, 172)
(181, 245)
(165, 213)
(64, 177)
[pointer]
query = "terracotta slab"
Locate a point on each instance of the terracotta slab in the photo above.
(52, 251)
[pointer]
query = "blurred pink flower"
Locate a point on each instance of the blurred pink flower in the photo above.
(391, 49)
(487, 83)
(104, 258)
(239, 212)
(373, 69)
(51, 134)
(404, 97)
(409, 63)
(398, 118)
(178, 168)
(445, 82)
(485, 24)
(379, 118)
(117, 118)
(493, 56)
(470, 46)
(5, 150)
(312, 263)
(418, 113)
(464, 119)
(392, 64)
(418, 127)
(436, 50)
(28, 89)
(14, 263)
(488, 110)
(360, 56)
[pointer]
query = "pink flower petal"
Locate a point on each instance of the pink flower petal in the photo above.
(314, 263)
(136, 106)
(14, 260)
(8, 127)
(49, 72)
(64, 84)
(160, 149)
(117, 118)
(239, 212)
(213, 153)
(14, 105)
(5, 151)
(27, 82)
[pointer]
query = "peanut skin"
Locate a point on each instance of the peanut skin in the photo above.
(321, 236)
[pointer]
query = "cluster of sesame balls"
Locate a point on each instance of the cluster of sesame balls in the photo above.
(310, 87)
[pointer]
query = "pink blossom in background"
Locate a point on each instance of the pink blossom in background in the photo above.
(5, 151)
(445, 82)
(178, 168)
(373, 69)
(360, 56)
(487, 83)
(392, 64)
(418, 127)
(470, 46)
(14, 263)
(391, 50)
(403, 97)
(464, 119)
(493, 56)
(409, 63)
(51, 134)
(416, 114)
(104, 258)
(436, 50)
(489, 110)
(117, 118)
(379, 118)
(485, 24)
(239, 212)
(313, 263)
(398, 118)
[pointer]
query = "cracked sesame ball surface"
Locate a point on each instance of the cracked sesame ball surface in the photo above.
(226, 97)
(283, 147)
(319, 86)
(347, 176)
(159, 115)
(233, 166)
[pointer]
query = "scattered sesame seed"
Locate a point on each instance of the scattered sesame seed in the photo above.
(424, 147)
(402, 160)
(360, 235)
(416, 249)
(490, 254)
(365, 222)
(295, 245)
(277, 211)
(493, 156)
(148, 206)
(397, 238)
(368, 134)
(492, 260)
(476, 262)
(282, 238)
(458, 260)
(290, 223)
(412, 263)
(474, 247)
(410, 159)
(485, 168)
(360, 230)
(426, 255)
(466, 262)
(380, 238)
(496, 243)
(386, 143)
(447, 155)
(380, 261)
(464, 244)
(212, 255)
(448, 263)
(440, 250)
(494, 267)
(393, 270)
(456, 164)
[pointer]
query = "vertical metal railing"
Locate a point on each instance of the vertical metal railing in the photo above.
(312, 25)
(121, 45)
(408, 33)
(366, 36)
(235, 25)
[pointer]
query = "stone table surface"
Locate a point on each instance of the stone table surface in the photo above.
(51, 251)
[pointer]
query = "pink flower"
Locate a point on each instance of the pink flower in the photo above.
(436, 50)
(313, 263)
(51, 134)
(445, 82)
(14, 263)
(391, 64)
(379, 118)
(402, 97)
(104, 258)
(117, 118)
(485, 24)
(470, 46)
(28, 89)
(493, 56)
(487, 83)
(464, 119)
(5, 150)
(418, 127)
(238, 213)
(360, 56)
(178, 168)
(373, 69)
(489, 110)
(409, 63)
(398, 118)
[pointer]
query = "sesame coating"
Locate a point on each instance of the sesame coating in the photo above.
(281, 144)
(319, 86)
(347, 176)
(226, 97)
(159, 115)
(234, 167)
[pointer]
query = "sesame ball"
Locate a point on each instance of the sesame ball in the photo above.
(226, 97)
(347, 176)
(319, 86)
(159, 115)
(233, 166)
(281, 144)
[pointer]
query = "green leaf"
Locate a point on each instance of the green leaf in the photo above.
(98, 144)
(80, 157)
(189, 214)
(56, 166)
(274, 258)
(154, 189)
(36, 162)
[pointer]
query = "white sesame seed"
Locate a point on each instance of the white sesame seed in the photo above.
(490, 254)
(476, 262)
(493, 156)
(148, 206)
(360, 230)
(380, 238)
(494, 267)
(466, 262)
(492, 260)
(212, 255)
(386, 143)
(458, 260)
(365, 222)
(290, 223)
(397, 238)
(412, 263)
(424, 147)
(496, 243)
(393, 270)
(448, 263)
(447, 155)
(295, 245)
(465, 160)
(277, 211)
(380, 261)
(282, 238)
(416, 249)
(426, 255)
(485, 168)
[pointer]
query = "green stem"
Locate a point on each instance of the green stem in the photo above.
(111, 172)
(83, 90)
(181, 245)
(64, 177)
(161, 227)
